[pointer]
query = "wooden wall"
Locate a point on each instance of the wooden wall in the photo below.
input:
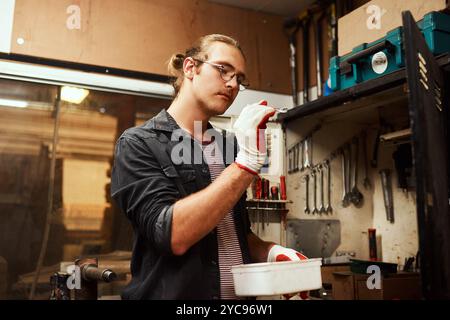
(141, 35)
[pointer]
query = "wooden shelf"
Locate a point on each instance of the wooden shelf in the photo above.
(269, 201)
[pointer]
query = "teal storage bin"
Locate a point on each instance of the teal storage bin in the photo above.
(386, 55)
(435, 27)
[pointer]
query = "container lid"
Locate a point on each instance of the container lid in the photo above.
(274, 266)
(435, 21)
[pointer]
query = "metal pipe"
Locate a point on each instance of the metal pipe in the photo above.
(305, 62)
(291, 27)
(51, 188)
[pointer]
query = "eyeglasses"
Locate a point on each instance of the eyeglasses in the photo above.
(227, 74)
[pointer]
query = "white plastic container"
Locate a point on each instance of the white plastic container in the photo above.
(274, 278)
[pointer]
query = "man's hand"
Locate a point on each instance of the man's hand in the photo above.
(249, 130)
(279, 253)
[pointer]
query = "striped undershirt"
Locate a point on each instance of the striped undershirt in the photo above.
(229, 249)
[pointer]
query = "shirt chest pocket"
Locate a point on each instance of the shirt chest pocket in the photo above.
(184, 176)
(187, 175)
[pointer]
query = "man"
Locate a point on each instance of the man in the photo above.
(189, 219)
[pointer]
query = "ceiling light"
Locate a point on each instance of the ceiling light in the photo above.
(73, 94)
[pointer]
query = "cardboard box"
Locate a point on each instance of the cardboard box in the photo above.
(374, 19)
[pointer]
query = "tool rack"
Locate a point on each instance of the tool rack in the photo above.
(421, 87)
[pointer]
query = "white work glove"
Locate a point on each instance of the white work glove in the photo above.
(279, 253)
(249, 129)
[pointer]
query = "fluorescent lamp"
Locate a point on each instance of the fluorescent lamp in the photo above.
(13, 103)
(102, 82)
(73, 94)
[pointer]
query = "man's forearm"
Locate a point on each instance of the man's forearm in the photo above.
(196, 215)
(259, 249)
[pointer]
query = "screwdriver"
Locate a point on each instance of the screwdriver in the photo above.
(266, 197)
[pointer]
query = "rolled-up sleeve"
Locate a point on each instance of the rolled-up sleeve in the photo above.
(143, 192)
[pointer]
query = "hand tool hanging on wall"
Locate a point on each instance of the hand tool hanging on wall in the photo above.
(328, 208)
(274, 195)
(258, 197)
(322, 206)
(307, 163)
(268, 137)
(306, 179)
(296, 156)
(302, 155)
(266, 197)
(376, 143)
(274, 192)
(290, 28)
(367, 184)
(263, 205)
(291, 161)
(314, 175)
(356, 197)
(386, 184)
(283, 196)
(345, 198)
(283, 188)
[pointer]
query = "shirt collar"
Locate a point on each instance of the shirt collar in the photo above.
(165, 122)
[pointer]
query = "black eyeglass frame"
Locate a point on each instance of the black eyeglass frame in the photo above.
(243, 84)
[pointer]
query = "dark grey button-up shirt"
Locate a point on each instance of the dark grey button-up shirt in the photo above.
(145, 190)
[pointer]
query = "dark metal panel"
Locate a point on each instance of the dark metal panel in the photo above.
(429, 135)
(315, 238)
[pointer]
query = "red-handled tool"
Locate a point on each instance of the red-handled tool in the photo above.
(283, 187)
(274, 192)
(258, 188)
(265, 194)
(283, 197)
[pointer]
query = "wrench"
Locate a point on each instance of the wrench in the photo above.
(302, 153)
(328, 208)
(367, 183)
(289, 160)
(307, 164)
(356, 197)
(345, 200)
(386, 185)
(307, 211)
(314, 209)
(296, 154)
(322, 207)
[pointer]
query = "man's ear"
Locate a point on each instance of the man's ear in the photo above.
(188, 67)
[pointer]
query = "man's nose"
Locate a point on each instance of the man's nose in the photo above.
(232, 83)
